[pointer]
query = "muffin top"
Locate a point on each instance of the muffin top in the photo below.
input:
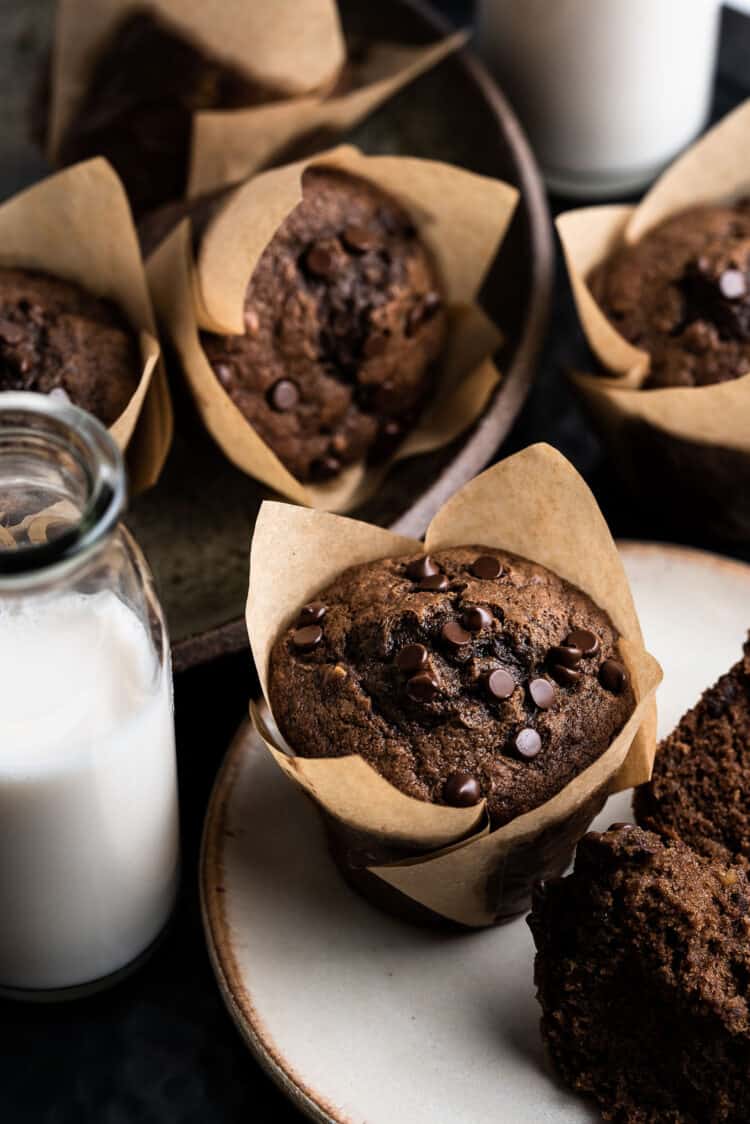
(54, 336)
(344, 320)
(683, 295)
(469, 673)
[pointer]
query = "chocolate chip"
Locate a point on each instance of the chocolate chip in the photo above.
(565, 654)
(475, 618)
(435, 583)
(581, 638)
(283, 395)
(732, 284)
(420, 313)
(621, 826)
(486, 567)
(321, 262)
(542, 692)
(312, 613)
(613, 677)
(224, 374)
(461, 790)
(359, 239)
(375, 345)
(325, 467)
(499, 684)
(411, 658)
(565, 676)
(455, 636)
(420, 568)
(307, 639)
(528, 743)
(422, 687)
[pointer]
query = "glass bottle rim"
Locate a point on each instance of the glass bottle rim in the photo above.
(41, 419)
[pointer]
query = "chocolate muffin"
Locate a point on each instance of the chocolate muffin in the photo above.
(466, 674)
(344, 321)
(683, 295)
(54, 336)
(700, 786)
(643, 976)
(148, 81)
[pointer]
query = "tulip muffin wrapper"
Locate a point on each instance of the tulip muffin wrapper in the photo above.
(77, 226)
(534, 504)
(461, 218)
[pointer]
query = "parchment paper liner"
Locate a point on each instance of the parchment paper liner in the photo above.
(293, 46)
(77, 225)
(460, 216)
(693, 424)
(536, 505)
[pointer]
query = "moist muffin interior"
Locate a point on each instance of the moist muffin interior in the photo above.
(343, 323)
(682, 293)
(454, 686)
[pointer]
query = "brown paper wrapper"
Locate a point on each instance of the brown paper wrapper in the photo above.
(290, 46)
(232, 145)
(446, 860)
(687, 448)
(77, 225)
(460, 216)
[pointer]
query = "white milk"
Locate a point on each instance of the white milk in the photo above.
(608, 90)
(88, 808)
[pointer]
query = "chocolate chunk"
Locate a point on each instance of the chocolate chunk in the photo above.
(420, 568)
(475, 618)
(321, 262)
(581, 638)
(461, 790)
(486, 567)
(455, 636)
(283, 395)
(422, 687)
(565, 676)
(528, 743)
(411, 658)
(613, 677)
(499, 684)
(325, 468)
(566, 655)
(312, 613)
(307, 639)
(359, 239)
(542, 692)
(435, 583)
(732, 284)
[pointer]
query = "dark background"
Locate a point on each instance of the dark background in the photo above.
(161, 1048)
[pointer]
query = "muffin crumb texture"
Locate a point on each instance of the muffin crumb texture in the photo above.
(643, 976)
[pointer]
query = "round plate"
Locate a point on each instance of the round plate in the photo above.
(360, 1017)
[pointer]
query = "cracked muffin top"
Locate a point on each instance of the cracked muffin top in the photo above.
(469, 673)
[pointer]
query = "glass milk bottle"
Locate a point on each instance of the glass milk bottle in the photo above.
(88, 792)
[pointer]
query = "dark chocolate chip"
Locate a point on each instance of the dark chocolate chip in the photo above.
(435, 583)
(312, 613)
(461, 790)
(422, 687)
(359, 238)
(581, 638)
(431, 305)
(542, 692)
(499, 684)
(321, 262)
(528, 743)
(613, 677)
(307, 638)
(283, 395)
(475, 618)
(411, 658)
(565, 676)
(566, 655)
(324, 468)
(375, 345)
(455, 636)
(486, 568)
(224, 374)
(420, 568)
(732, 284)
(621, 826)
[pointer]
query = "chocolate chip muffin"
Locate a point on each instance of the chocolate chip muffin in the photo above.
(643, 976)
(683, 295)
(148, 81)
(54, 336)
(344, 321)
(467, 674)
(700, 786)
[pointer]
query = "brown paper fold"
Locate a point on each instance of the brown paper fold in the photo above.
(533, 504)
(77, 225)
(713, 170)
(232, 145)
(290, 46)
(461, 217)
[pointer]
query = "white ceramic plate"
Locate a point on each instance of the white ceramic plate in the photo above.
(362, 1018)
